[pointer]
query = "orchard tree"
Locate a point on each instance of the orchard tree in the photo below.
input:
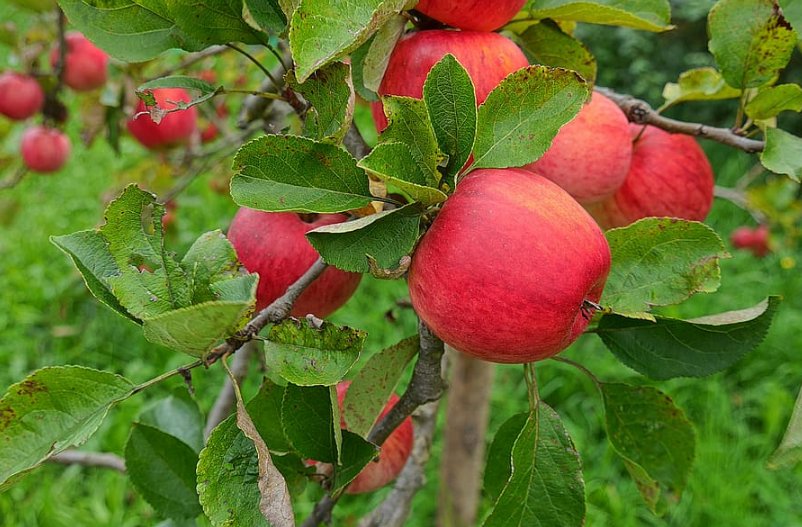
(498, 166)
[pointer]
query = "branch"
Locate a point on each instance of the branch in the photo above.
(639, 112)
(227, 397)
(355, 143)
(89, 459)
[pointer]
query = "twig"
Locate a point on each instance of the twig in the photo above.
(191, 59)
(738, 198)
(89, 459)
(12, 181)
(258, 64)
(226, 398)
(355, 143)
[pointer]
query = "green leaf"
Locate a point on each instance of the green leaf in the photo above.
(309, 356)
(179, 416)
(499, 458)
(322, 31)
(451, 102)
(521, 116)
(654, 438)
(649, 15)
(792, 11)
(750, 41)
(178, 81)
(377, 56)
(306, 416)
(783, 153)
(358, 57)
(356, 454)
(375, 382)
(790, 450)
(210, 259)
(698, 84)
(162, 468)
(659, 262)
(331, 93)
(387, 236)
(268, 14)
(545, 486)
(212, 22)
(545, 43)
(51, 410)
(668, 348)
(265, 410)
(394, 163)
(770, 101)
(287, 173)
(408, 123)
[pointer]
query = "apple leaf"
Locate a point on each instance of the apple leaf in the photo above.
(378, 53)
(668, 348)
(792, 11)
(331, 93)
(653, 437)
(659, 262)
(545, 486)
(162, 468)
(356, 454)
(521, 116)
(288, 173)
(395, 164)
(387, 237)
(210, 22)
(144, 92)
(499, 457)
(772, 100)
(51, 410)
(783, 153)
(649, 15)
(698, 84)
(265, 410)
(358, 57)
(179, 416)
(750, 41)
(790, 450)
(306, 418)
(268, 15)
(308, 355)
(409, 123)
(210, 259)
(545, 43)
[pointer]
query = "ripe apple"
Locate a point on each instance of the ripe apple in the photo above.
(21, 96)
(84, 63)
(174, 128)
(755, 240)
(44, 149)
(487, 57)
(474, 15)
(590, 155)
(669, 176)
(274, 245)
(505, 269)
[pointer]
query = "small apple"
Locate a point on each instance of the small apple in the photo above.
(474, 15)
(590, 155)
(44, 149)
(274, 245)
(755, 240)
(504, 272)
(669, 176)
(85, 64)
(487, 57)
(21, 96)
(174, 128)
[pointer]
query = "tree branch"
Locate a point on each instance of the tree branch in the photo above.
(227, 397)
(355, 143)
(89, 459)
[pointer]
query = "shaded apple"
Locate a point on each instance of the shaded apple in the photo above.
(506, 267)
(21, 96)
(44, 149)
(85, 65)
(274, 245)
(475, 15)
(755, 240)
(174, 128)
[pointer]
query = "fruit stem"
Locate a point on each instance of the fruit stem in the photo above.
(531, 385)
(580, 368)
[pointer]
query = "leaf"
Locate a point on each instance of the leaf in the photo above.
(783, 153)
(356, 454)
(386, 236)
(306, 417)
(162, 468)
(288, 173)
(770, 101)
(408, 123)
(792, 11)
(268, 14)
(521, 116)
(377, 56)
(659, 262)
(499, 467)
(375, 382)
(177, 81)
(654, 438)
(312, 356)
(51, 410)
(179, 416)
(545, 43)
(698, 84)
(358, 57)
(331, 93)
(649, 15)
(451, 103)
(395, 164)
(750, 41)
(668, 348)
(265, 410)
(209, 260)
(790, 450)
(545, 487)
(212, 22)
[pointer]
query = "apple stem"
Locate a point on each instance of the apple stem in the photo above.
(531, 385)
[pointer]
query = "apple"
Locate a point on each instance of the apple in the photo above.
(474, 15)
(44, 149)
(168, 220)
(487, 57)
(274, 245)
(174, 128)
(590, 155)
(506, 267)
(85, 64)
(669, 176)
(21, 96)
(210, 132)
(755, 240)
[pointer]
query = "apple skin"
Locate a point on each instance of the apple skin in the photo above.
(44, 149)
(274, 245)
(755, 240)
(85, 65)
(473, 15)
(590, 156)
(21, 96)
(669, 175)
(487, 57)
(505, 267)
(174, 129)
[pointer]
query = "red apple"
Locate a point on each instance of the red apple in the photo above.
(274, 245)
(669, 176)
(20, 95)
(487, 57)
(755, 240)
(174, 128)
(84, 63)
(44, 149)
(210, 132)
(475, 15)
(590, 156)
(505, 269)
